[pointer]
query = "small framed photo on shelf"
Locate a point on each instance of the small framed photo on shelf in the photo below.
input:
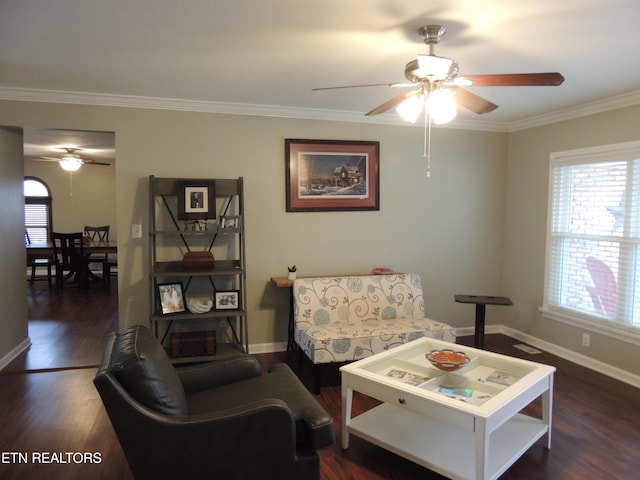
(171, 297)
(229, 222)
(227, 300)
(196, 199)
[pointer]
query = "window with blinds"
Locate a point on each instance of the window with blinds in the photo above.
(37, 210)
(593, 236)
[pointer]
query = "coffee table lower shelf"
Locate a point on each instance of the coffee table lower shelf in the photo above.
(442, 447)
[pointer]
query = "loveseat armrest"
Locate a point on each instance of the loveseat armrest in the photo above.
(197, 378)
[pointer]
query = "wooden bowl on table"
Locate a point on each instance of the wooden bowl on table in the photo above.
(447, 360)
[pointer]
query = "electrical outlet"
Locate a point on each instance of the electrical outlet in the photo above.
(586, 340)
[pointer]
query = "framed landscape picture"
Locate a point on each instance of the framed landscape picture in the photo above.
(332, 175)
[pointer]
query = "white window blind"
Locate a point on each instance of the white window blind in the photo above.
(37, 210)
(593, 236)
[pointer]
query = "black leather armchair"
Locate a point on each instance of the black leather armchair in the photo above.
(222, 420)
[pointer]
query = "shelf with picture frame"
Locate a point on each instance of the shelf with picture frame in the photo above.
(204, 217)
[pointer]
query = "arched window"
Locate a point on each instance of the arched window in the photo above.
(37, 210)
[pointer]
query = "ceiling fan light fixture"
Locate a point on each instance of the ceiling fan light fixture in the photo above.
(433, 67)
(70, 164)
(462, 82)
(442, 107)
(410, 108)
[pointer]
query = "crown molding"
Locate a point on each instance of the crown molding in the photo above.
(130, 101)
(157, 103)
(583, 110)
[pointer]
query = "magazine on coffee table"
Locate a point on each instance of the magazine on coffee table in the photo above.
(464, 394)
(503, 378)
(407, 377)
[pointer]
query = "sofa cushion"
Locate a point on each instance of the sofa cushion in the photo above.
(342, 319)
(141, 365)
(341, 342)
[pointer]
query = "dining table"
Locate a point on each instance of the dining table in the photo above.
(45, 250)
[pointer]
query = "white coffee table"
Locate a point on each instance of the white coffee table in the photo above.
(464, 424)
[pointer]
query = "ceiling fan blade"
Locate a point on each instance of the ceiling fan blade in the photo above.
(57, 159)
(400, 85)
(393, 102)
(472, 102)
(550, 79)
(46, 159)
(93, 162)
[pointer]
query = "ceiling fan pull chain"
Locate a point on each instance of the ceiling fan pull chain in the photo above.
(426, 149)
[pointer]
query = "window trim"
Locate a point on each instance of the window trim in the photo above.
(616, 331)
(39, 200)
(604, 153)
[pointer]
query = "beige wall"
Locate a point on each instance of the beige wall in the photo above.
(13, 320)
(476, 226)
(526, 222)
(447, 228)
(85, 197)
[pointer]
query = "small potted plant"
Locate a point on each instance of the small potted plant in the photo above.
(292, 272)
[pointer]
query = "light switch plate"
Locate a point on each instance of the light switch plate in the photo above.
(136, 230)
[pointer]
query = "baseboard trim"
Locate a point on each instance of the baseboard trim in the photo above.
(9, 357)
(585, 361)
(258, 348)
(590, 363)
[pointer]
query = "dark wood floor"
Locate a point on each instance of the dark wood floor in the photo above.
(48, 404)
(67, 329)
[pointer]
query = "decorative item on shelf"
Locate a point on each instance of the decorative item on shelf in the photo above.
(196, 199)
(383, 270)
(292, 272)
(230, 222)
(171, 298)
(227, 300)
(447, 360)
(193, 344)
(196, 225)
(199, 304)
(198, 261)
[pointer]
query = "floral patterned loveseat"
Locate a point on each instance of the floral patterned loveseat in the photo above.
(342, 319)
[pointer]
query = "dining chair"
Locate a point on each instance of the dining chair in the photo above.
(68, 251)
(101, 235)
(37, 261)
(97, 234)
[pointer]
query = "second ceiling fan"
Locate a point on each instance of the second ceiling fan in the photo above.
(71, 161)
(431, 75)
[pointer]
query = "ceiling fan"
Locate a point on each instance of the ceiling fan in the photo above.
(71, 161)
(432, 74)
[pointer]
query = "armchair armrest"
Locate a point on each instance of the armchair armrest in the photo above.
(264, 429)
(204, 376)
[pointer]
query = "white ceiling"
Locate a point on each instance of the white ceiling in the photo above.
(51, 143)
(265, 56)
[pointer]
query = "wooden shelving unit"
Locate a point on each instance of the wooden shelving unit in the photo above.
(171, 237)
